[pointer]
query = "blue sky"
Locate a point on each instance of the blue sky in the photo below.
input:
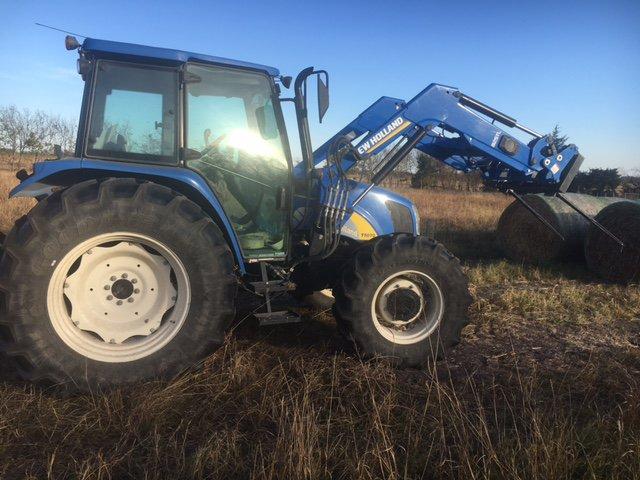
(572, 63)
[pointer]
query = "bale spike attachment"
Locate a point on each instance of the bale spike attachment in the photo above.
(535, 213)
(591, 220)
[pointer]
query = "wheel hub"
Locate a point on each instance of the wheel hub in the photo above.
(400, 303)
(404, 304)
(407, 307)
(120, 291)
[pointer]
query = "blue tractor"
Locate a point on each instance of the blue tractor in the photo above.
(182, 188)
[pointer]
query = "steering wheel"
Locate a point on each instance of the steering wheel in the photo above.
(233, 181)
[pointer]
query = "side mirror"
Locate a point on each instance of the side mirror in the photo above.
(323, 95)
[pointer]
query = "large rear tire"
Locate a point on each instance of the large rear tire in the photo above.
(404, 298)
(112, 282)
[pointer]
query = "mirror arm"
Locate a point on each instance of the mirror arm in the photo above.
(302, 117)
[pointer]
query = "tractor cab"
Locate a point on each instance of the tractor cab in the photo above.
(212, 128)
(219, 118)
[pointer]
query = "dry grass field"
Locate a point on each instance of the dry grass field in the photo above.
(10, 210)
(545, 385)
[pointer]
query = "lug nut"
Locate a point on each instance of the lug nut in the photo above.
(137, 290)
(130, 300)
(113, 278)
(133, 280)
(119, 302)
(109, 297)
(124, 275)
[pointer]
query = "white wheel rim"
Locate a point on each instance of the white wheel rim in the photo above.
(118, 297)
(420, 319)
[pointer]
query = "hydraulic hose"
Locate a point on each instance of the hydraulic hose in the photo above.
(333, 212)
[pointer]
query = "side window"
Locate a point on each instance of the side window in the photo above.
(133, 115)
(233, 141)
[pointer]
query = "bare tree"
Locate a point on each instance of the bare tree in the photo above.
(33, 133)
(9, 125)
(63, 133)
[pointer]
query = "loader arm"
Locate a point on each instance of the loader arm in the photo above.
(463, 133)
(457, 130)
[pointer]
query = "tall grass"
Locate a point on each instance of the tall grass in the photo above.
(326, 415)
(545, 385)
(10, 210)
(464, 221)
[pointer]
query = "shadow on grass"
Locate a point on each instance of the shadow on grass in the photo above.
(471, 245)
(478, 248)
(317, 330)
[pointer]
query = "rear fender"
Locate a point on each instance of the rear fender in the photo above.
(48, 176)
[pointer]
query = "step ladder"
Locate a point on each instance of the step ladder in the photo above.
(267, 287)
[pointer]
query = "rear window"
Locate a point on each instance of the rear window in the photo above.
(134, 113)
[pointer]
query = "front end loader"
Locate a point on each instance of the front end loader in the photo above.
(182, 188)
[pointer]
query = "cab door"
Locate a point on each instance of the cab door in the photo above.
(233, 140)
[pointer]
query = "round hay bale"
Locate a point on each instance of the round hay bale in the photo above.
(603, 254)
(524, 238)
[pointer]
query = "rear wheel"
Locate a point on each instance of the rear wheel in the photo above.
(113, 282)
(404, 298)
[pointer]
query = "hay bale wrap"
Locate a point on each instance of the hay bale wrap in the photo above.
(603, 254)
(525, 239)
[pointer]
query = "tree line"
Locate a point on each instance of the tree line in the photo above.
(34, 133)
(431, 173)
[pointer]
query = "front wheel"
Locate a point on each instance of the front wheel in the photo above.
(113, 282)
(404, 298)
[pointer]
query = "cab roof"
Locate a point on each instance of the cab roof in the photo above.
(111, 48)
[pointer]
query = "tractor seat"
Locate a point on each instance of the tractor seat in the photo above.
(120, 145)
